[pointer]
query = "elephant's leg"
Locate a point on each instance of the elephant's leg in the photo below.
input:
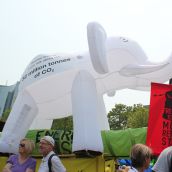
(85, 104)
(103, 120)
(23, 112)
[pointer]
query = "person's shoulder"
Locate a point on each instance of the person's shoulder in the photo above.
(55, 158)
(167, 150)
(13, 156)
(52, 154)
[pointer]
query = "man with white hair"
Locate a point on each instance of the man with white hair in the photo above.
(50, 161)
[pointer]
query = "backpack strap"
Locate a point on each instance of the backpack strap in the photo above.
(49, 162)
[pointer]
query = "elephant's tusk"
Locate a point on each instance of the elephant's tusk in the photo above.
(133, 70)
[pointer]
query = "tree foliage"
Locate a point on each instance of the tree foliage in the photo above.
(138, 117)
(118, 116)
(122, 116)
(63, 123)
(5, 114)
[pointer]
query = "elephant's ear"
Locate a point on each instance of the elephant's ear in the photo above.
(96, 36)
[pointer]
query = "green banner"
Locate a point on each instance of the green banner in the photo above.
(116, 142)
(63, 140)
(119, 142)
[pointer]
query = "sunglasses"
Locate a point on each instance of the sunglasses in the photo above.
(22, 145)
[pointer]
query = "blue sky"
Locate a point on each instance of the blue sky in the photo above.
(32, 27)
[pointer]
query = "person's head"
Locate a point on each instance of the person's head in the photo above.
(140, 156)
(26, 146)
(46, 145)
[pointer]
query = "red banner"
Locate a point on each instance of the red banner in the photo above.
(159, 134)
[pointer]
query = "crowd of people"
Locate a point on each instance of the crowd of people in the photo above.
(140, 156)
(23, 162)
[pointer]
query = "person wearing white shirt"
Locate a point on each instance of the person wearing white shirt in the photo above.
(46, 147)
(164, 161)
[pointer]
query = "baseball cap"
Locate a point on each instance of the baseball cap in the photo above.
(49, 139)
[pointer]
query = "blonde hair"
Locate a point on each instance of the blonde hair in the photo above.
(139, 154)
(29, 145)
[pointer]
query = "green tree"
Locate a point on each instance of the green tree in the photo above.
(123, 116)
(118, 116)
(138, 117)
(5, 114)
(63, 123)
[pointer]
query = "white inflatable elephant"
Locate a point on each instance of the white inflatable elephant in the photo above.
(55, 86)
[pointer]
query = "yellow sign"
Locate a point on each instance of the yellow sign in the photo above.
(73, 164)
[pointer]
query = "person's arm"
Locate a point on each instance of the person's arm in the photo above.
(7, 168)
